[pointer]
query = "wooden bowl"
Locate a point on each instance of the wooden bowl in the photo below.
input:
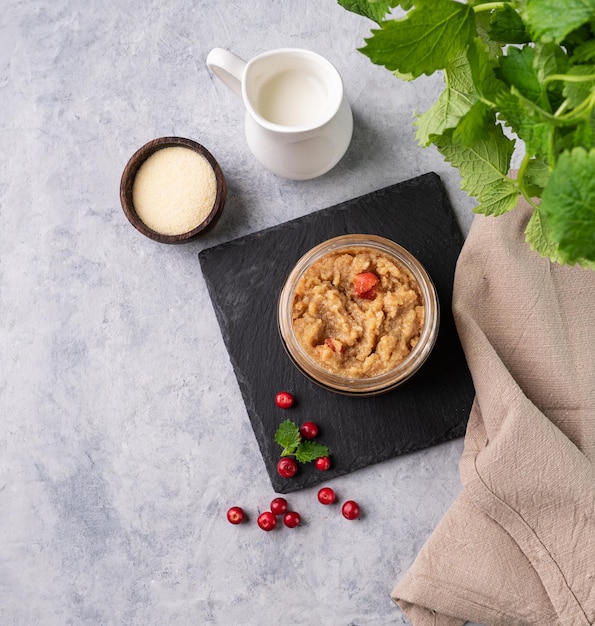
(127, 183)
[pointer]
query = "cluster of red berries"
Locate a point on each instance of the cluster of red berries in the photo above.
(350, 508)
(279, 506)
(268, 519)
(287, 467)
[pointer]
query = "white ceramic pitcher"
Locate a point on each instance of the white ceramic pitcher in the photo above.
(298, 122)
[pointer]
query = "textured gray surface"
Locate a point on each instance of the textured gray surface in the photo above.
(124, 438)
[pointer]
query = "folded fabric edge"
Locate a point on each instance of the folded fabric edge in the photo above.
(552, 577)
(484, 468)
(418, 589)
(458, 575)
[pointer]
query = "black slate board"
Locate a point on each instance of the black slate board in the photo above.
(244, 278)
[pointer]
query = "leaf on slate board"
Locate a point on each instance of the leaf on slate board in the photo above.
(310, 451)
(288, 437)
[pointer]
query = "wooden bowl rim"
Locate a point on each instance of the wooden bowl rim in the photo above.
(127, 182)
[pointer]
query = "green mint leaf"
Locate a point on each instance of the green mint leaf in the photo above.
(375, 11)
(288, 437)
(584, 135)
(517, 70)
(423, 41)
(584, 53)
(576, 38)
(482, 67)
(528, 65)
(576, 92)
(483, 167)
(524, 118)
(474, 125)
(568, 204)
(536, 178)
(402, 76)
(310, 451)
(507, 26)
(453, 103)
(538, 236)
(552, 20)
(482, 27)
(580, 136)
(549, 59)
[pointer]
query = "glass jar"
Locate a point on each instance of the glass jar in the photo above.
(371, 385)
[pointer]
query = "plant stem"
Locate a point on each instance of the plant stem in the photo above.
(583, 110)
(569, 78)
(561, 108)
(585, 106)
(557, 119)
(551, 148)
(521, 180)
(489, 6)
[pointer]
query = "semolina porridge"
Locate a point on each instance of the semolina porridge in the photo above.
(357, 312)
(174, 190)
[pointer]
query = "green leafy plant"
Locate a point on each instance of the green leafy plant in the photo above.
(523, 69)
(289, 438)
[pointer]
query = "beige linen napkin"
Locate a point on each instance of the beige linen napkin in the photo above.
(518, 545)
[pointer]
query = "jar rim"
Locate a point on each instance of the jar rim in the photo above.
(379, 383)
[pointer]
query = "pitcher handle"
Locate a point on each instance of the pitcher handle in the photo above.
(228, 68)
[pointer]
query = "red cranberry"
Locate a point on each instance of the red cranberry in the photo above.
(292, 519)
(279, 506)
(326, 495)
(364, 284)
(267, 521)
(309, 430)
(287, 467)
(235, 515)
(350, 509)
(323, 463)
(284, 400)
